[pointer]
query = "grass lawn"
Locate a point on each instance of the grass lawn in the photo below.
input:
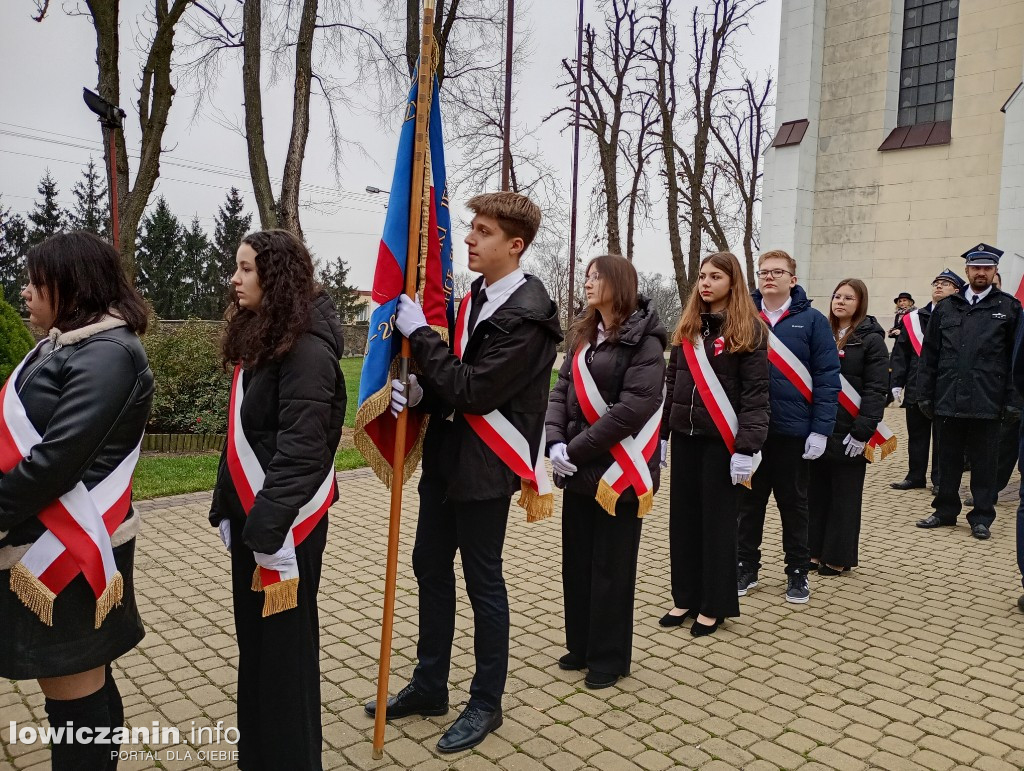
(160, 475)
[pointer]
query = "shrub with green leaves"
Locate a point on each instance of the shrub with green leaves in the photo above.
(15, 340)
(192, 388)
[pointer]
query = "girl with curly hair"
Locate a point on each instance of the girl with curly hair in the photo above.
(275, 484)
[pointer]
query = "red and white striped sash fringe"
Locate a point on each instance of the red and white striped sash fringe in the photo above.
(912, 324)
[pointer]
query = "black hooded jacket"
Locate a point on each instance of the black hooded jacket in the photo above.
(864, 362)
(506, 366)
(292, 415)
(630, 373)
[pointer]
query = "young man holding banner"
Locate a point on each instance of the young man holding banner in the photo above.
(486, 394)
(804, 394)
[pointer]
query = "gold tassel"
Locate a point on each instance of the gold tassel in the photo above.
(646, 504)
(607, 497)
(537, 506)
(110, 598)
(33, 593)
(887, 448)
(284, 595)
(257, 580)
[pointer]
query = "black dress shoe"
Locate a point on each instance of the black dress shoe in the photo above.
(934, 521)
(597, 680)
(969, 501)
(825, 570)
(980, 532)
(907, 484)
(470, 729)
(571, 662)
(1020, 602)
(409, 701)
(703, 630)
(669, 620)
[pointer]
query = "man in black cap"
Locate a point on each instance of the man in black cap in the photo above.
(906, 356)
(904, 305)
(966, 388)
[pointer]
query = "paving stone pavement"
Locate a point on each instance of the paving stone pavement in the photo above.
(912, 661)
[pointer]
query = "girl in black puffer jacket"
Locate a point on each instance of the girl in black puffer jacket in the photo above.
(837, 485)
(602, 419)
(716, 412)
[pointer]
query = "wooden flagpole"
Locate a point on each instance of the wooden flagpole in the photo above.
(426, 85)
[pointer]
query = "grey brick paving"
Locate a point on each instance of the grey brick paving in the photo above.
(911, 661)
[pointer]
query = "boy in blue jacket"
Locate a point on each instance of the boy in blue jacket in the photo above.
(804, 399)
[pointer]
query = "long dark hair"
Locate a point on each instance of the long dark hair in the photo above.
(619, 274)
(861, 290)
(84, 278)
(285, 272)
(743, 329)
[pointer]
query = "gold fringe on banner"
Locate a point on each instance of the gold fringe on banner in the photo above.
(607, 497)
(33, 593)
(537, 506)
(887, 448)
(257, 580)
(110, 598)
(284, 595)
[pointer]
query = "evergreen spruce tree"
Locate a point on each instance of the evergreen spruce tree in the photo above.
(230, 227)
(47, 217)
(13, 246)
(334, 279)
(90, 209)
(15, 340)
(196, 252)
(159, 266)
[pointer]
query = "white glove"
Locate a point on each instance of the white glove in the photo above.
(410, 316)
(897, 395)
(853, 447)
(741, 468)
(225, 533)
(664, 453)
(398, 398)
(279, 560)
(559, 455)
(814, 447)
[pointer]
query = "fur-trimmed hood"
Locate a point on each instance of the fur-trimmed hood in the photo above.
(106, 323)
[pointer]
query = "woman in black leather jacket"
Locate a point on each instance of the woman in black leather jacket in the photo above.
(72, 420)
(275, 483)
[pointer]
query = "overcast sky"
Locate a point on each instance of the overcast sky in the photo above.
(44, 124)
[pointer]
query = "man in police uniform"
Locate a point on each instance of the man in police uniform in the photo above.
(965, 384)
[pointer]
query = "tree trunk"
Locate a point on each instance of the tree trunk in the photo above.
(412, 33)
(252, 34)
(300, 120)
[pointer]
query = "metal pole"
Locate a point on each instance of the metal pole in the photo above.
(575, 170)
(506, 152)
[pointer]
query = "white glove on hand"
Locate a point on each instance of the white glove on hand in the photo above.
(410, 316)
(559, 455)
(741, 468)
(225, 533)
(664, 453)
(814, 447)
(897, 395)
(279, 560)
(398, 398)
(853, 447)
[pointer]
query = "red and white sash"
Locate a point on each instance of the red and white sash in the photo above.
(507, 442)
(912, 323)
(280, 587)
(796, 373)
(714, 397)
(78, 524)
(631, 456)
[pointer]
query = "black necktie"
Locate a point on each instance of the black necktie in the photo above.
(974, 300)
(474, 311)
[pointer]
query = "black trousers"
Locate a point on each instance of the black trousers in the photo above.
(979, 438)
(919, 435)
(599, 556)
(834, 499)
(703, 521)
(278, 663)
(784, 472)
(1009, 439)
(476, 529)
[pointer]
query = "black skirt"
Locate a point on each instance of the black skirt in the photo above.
(30, 649)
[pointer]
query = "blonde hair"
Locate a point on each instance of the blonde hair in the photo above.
(780, 255)
(743, 329)
(517, 215)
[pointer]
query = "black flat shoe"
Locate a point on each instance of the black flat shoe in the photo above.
(700, 630)
(470, 729)
(571, 662)
(669, 620)
(907, 484)
(980, 532)
(825, 570)
(597, 680)
(409, 701)
(933, 521)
